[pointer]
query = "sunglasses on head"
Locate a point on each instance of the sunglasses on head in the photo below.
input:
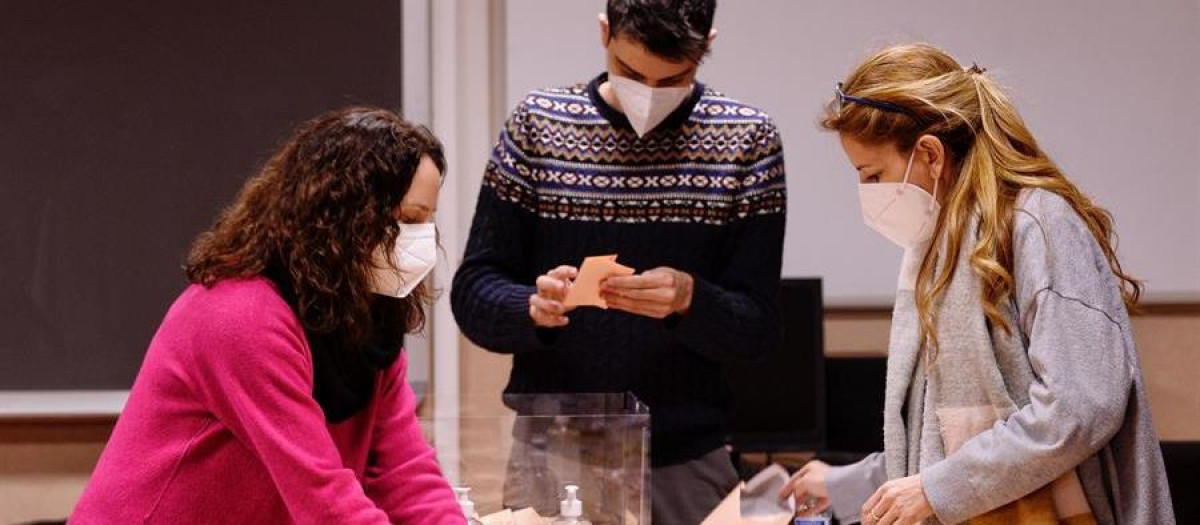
(843, 99)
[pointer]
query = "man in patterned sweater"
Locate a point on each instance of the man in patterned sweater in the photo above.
(687, 186)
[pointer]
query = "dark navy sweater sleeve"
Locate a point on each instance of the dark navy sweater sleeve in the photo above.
(735, 315)
(491, 289)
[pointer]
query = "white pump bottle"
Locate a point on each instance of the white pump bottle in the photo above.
(468, 506)
(571, 509)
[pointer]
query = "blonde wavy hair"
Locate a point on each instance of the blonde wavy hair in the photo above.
(995, 155)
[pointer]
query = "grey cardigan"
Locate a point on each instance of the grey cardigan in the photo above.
(1084, 407)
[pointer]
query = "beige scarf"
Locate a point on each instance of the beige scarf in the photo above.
(980, 376)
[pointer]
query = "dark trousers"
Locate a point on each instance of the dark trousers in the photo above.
(686, 493)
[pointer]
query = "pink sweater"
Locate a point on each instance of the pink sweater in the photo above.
(221, 427)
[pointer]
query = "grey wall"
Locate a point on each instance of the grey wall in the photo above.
(124, 128)
(1108, 86)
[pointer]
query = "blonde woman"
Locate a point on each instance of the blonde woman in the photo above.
(1014, 393)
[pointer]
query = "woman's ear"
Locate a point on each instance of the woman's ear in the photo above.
(932, 152)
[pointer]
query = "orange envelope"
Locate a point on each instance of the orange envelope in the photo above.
(729, 513)
(585, 291)
(520, 517)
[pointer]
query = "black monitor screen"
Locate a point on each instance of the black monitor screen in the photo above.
(779, 401)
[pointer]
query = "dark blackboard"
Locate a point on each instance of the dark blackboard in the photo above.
(124, 128)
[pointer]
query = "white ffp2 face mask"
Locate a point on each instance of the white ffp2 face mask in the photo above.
(411, 261)
(646, 107)
(903, 213)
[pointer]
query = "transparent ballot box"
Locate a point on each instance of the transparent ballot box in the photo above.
(521, 451)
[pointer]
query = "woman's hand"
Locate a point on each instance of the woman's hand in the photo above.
(808, 486)
(900, 502)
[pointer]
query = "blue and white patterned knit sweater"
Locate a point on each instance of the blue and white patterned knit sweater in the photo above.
(704, 193)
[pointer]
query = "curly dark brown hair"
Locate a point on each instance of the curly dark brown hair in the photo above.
(317, 212)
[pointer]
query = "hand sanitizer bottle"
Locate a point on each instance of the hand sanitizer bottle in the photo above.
(468, 506)
(571, 509)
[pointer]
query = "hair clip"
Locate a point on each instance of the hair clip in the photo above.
(976, 69)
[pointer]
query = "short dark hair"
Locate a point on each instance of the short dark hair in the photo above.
(672, 29)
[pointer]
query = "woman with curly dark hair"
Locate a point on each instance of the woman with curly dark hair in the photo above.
(274, 390)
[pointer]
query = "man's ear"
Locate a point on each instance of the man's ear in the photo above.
(712, 36)
(605, 29)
